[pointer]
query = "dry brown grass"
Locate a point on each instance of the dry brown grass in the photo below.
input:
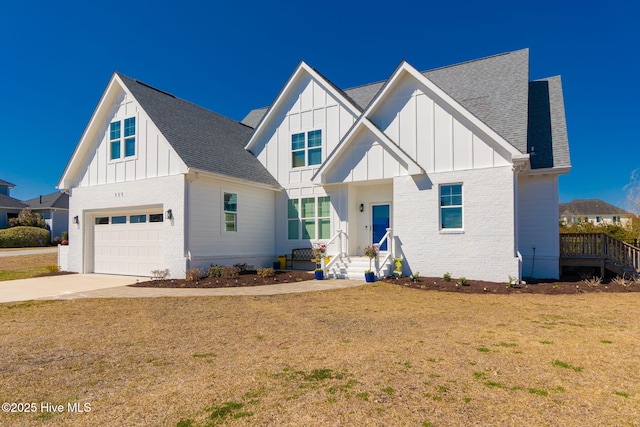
(25, 266)
(372, 355)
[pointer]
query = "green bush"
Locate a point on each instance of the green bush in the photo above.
(214, 271)
(23, 237)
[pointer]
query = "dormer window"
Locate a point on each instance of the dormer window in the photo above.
(306, 149)
(122, 138)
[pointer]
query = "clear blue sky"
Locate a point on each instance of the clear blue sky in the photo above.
(57, 58)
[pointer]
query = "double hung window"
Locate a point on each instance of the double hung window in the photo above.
(451, 206)
(230, 212)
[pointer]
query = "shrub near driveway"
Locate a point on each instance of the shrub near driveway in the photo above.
(372, 355)
(21, 237)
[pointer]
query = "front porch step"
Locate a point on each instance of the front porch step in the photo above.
(353, 267)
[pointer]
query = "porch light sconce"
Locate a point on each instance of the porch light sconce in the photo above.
(169, 214)
(76, 220)
(361, 207)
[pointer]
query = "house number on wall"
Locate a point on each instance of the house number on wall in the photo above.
(119, 194)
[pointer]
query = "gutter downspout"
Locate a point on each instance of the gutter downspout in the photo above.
(517, 168)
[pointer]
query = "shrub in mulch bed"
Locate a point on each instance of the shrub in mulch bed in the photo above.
(246, 278)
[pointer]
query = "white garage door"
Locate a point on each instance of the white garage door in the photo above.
(129, 244)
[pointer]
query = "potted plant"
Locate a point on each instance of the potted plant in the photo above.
(371, 252)
(319, 252)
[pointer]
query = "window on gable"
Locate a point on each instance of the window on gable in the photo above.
(122, 138)
(230, 212)
(306, 148)
(451, 206)
(114, 140)
(309, 218)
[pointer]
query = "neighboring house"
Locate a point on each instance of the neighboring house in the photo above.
(593, 210)
(54, 209)
(9, 207)
(459, 164)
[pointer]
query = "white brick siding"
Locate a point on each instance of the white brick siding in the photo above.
(483, 251)
(159, 193)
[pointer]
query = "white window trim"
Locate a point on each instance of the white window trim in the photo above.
(316, 218)
(223, 225)
(136, 135)
(440, 207)
(306, 148)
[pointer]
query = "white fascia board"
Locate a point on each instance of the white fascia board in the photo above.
(193, 174)
(363, 122)
(303, 68)
(405, 67)
(99, 112)
(549, 171)
(65, 180)
(412, 167)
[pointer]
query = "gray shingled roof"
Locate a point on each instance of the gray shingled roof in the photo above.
(4, 183)
(11, 203)
(496, 90)
(589, 207)
(56, 200)
(203, 139)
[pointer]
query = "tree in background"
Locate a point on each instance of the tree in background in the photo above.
(28, 218)
(633, 197)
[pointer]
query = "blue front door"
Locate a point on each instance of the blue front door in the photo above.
(379, 223)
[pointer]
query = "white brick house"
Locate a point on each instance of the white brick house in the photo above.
(454, 170)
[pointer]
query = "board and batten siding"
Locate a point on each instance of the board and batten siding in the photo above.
(366, 159)
(431, 132)
(309, 106)
(154, 156)
(208, 243)
(538, 225)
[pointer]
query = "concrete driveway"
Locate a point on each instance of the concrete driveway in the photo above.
(59, 286)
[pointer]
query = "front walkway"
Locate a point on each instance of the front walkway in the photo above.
(282, 288)
(74, 286)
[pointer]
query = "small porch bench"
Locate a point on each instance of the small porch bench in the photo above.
(299, 254)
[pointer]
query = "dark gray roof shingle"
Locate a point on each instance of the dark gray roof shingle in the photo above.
(10, 202)
(57, 200)
(203, 139)
(495, 89)
(589, 207)
(4, 183)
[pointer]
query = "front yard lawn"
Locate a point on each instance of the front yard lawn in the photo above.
(378, 354)
(26, 266)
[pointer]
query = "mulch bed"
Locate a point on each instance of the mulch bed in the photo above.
(568, 285)
(247, 278)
